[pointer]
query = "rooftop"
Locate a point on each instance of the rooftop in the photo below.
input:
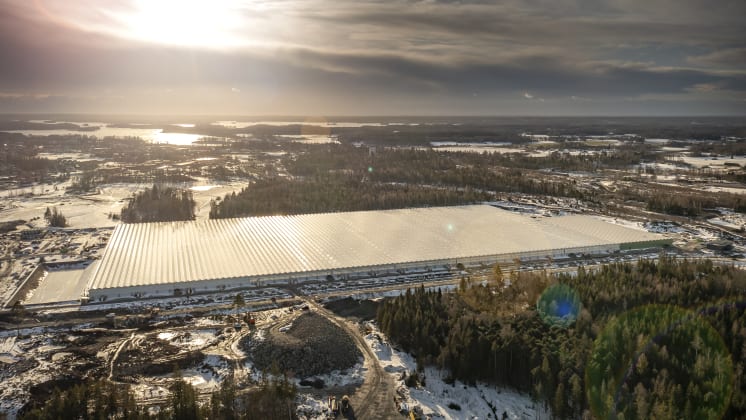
(168, 252)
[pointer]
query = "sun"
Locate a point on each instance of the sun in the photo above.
(196, 23)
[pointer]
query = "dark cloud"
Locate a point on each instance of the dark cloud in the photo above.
(390, 57)
(730, 57)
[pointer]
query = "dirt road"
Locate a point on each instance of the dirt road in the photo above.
(375, 398)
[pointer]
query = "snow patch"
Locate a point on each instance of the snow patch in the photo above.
(311, 408)
(437, 399)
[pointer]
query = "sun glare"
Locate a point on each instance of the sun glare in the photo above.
(183, 22)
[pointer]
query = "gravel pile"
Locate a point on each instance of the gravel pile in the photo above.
(312, 346)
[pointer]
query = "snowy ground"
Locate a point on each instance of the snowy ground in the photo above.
(724, 223)
(713, 161)
(205, 376)
(490, 148)
(683, 234)
(57, 246)
(191, 339)
(43, 356)
(731, 218)
(311, 407)
(47, 347)
(732, 190)
(338, 378)
(438, 399)
(92, 210)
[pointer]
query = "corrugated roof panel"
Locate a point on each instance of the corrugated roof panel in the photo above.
(169, 252)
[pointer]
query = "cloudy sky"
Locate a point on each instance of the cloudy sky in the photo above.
(363, 57)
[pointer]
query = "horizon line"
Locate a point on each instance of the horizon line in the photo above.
(127, 114)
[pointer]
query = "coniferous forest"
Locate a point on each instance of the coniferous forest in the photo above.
(655, 339)
(348, 178)
(330, 194)
(159, 204)
(273, 398)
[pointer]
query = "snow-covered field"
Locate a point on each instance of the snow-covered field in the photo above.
(713, 162)
(92, 210)
(732, 190)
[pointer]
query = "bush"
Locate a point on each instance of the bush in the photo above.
(55, 218)
(412, 380)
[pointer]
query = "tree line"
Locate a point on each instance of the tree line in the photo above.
(510, 173)
(334, 193)
(273, 398)
(655, 339)
(426, 161)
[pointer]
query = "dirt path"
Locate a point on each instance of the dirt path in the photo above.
(115, 356)
(375, 398)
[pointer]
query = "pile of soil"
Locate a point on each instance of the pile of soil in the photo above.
(312, 346)
(89, 343)
(365, 309)
(152, 356)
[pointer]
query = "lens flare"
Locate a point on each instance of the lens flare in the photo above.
(559, 305)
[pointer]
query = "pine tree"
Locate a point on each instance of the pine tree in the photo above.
(238, 302)
(183, 399)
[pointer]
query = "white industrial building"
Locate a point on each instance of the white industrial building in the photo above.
(175, 258)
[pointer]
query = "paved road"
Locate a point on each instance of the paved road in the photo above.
(375, 398)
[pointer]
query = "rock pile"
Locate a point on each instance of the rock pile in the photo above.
(312, 346)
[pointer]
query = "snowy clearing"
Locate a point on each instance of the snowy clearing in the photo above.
(437, 399)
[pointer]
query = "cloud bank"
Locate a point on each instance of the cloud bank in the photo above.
(527, 57)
